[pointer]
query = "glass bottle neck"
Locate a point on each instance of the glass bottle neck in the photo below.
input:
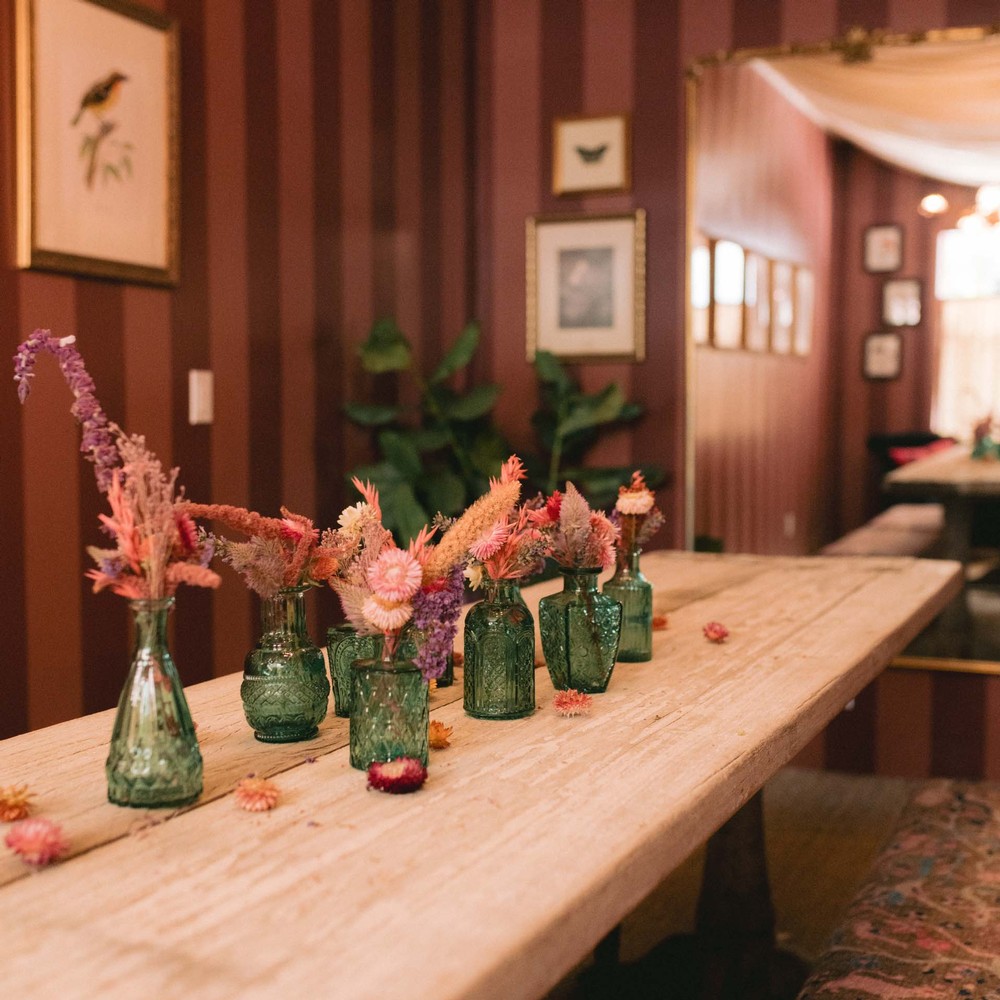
(628, 560)
(580, 580)
(284, 612)
(503, 592)
(151, 621)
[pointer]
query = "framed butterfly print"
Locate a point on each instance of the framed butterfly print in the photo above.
(591, 154)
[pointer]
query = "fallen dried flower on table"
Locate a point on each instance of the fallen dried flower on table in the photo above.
(256, 794)
(399, 776)
(15, 803)
(37, 842)
(571, 702)
(716, 632)
(660, 623)
(439, 735)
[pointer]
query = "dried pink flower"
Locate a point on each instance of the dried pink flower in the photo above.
(256, 794)
(660, 623)
(15, 803)
(571, 702)
(386, 616)
(37, 841)
(395, 575)
(716, 632)
(489, 542)
(404, 774)
(636, 497)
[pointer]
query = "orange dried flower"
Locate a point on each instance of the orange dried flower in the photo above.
(458, 659)
(37, 841)
(256, 794)
(571, 702)
(439, 735)
(15, 803)
(716, 632)
(660, 623)
(404, 774)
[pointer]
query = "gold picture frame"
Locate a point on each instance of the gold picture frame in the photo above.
(586, 286)
(591, 154)
(97, 140)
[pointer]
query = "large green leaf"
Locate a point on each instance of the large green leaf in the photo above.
(402, 513)
(488, 450)
(459, 354)
(551, 372)
(476, 403)
(386, 349)
(589, 411)
(443, 491)
(399, 451)
(372, 414)
(430, 438)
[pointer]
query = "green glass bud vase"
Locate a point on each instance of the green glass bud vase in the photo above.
(635, 593)
(390, 712)
(154, 758)
(284, 688)
(500, 655)
(579, 628)
(343, 647)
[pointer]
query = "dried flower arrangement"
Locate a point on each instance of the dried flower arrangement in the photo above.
(636, 515)
(581, 538)
(157, 547)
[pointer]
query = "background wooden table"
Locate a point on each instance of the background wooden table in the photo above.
(530, 840)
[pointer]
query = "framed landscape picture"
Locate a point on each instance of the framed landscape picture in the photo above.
(97, 139)
(586, 286)
(591, 154)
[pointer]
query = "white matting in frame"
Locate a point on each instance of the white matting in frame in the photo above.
(586, 286)
(591, 154)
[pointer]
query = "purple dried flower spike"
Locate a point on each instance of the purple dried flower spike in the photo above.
(97, 441)
(435, 613)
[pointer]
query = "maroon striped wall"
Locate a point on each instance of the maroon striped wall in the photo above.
(342, 160)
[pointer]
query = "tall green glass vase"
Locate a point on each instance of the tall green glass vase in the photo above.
(500, 655)
(284, 688)
(635, 593)
(343, 647)
(390, 712)
(579, 628)
(154, 758)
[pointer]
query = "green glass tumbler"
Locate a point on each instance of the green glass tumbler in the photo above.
(635, 593)
(285, 689)
(500, 655)
(579, 629)
(343, 647)
(390, 712)
(154, 759)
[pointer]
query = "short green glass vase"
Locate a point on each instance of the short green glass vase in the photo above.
(154, 759)
(343, 647)
(285, 689)
(500, 655)
(635, 593)
(579, 629)
(390, 712)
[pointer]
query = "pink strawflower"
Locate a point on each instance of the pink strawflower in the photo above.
(571, 702)
(395, 575)
(490, 541)
(256, 794)
(404, 774)
(716, 632)
(37, 841)
(386, 616)
(636, 497)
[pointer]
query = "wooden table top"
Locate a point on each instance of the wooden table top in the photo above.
(529, 842)
(949, 473)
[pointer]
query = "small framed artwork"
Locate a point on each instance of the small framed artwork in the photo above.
(757, 302)
(883, 356)
(97, 139)
(701, 288)
(805, 295)
(883, 248)
(729, 262)
(901, 302)
(591, 154)
(586, 286)
(782, 307)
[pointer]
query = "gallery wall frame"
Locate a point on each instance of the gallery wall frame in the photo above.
(98, 160)
(591, 154)
(901, 302)
(882, 356)
(882, 248)
(586, 286)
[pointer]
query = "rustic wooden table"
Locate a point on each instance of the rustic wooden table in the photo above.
(529, 842)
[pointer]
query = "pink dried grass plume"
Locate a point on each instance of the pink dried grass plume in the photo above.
(571, 702)
(15, 803)
(716, 632)
(439, 735)
(37, 842)
(399, 776)
(256, 794)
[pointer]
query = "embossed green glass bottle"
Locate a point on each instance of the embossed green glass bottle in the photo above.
(500, 655)
(390, 712)
(154, 758)
(579, 628)
(343, 647)
(284, 688)
(635, 593)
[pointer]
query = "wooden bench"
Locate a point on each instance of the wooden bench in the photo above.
(905, 529)
(926, 924)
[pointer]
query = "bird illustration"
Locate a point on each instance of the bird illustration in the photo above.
(101, 96)
(592, 154)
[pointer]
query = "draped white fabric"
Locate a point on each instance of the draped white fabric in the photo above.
(932, 108)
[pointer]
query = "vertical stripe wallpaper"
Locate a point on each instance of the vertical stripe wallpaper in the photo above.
(344, 160)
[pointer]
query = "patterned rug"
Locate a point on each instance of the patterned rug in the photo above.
(926, 926)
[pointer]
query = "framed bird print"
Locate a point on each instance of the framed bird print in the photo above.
(97, 139)
(591, 155)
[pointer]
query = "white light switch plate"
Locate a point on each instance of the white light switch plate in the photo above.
(200, 396)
